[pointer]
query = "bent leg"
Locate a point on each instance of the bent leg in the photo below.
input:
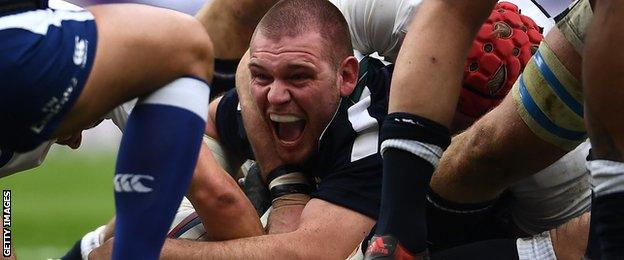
(534, 126)
(155, 47)
(230, 24)
(604, 88)
(498, 150)
(168, 120)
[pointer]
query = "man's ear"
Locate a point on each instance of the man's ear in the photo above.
(348, 75)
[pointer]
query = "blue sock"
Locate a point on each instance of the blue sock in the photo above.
(155, 164)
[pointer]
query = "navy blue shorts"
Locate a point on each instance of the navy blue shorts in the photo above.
(45, 59)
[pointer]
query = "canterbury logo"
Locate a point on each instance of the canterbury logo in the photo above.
(80, 51)
(131, 183)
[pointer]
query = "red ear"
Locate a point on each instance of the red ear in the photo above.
(348, 75)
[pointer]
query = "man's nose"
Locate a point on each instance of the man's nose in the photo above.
(278, 94)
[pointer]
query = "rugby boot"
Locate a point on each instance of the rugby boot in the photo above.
(387, 248)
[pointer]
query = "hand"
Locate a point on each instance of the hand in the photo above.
(103, 252)
(286, 213)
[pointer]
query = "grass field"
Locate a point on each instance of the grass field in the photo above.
(57, 203)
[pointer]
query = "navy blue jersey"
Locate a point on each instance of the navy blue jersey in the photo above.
(45, 59)
(40, 3)
(348, 165)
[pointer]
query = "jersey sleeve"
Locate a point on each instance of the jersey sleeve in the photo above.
(229, 123)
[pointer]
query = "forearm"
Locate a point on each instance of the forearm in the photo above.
(286, 212)
(313, 239)
(282, 246)
(431, 60)
(260, 138)
(225, 211)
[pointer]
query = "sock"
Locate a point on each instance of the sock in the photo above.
(451, 224)
(607, 209)
(157, 156)
(411, 147)
(224, 77)
(488, 249)
(593, 243)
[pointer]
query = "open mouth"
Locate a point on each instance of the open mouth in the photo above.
(287, 128)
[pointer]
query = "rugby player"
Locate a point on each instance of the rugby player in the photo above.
(323, 122)
(492, 147)
(56, 85)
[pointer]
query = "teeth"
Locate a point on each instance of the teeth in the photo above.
(283, 118)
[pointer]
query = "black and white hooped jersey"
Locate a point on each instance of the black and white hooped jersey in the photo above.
(347, 165)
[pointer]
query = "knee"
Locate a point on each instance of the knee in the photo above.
(199, 49)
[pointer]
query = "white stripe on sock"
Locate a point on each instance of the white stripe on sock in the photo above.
(606, 176)
(186, 93)
(428, 152)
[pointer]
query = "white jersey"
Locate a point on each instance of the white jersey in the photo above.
(380, 25)
(17, 162)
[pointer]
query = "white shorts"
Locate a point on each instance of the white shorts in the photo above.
(554, 195)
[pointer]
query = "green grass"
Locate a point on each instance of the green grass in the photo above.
(57, 203)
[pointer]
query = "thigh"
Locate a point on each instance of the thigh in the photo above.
(139, 49)
(604, 82)
(231, 24)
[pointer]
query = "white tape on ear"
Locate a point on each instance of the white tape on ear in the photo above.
(289, 178)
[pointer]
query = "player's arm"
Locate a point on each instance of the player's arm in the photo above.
(225, 211)
(320, 236)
